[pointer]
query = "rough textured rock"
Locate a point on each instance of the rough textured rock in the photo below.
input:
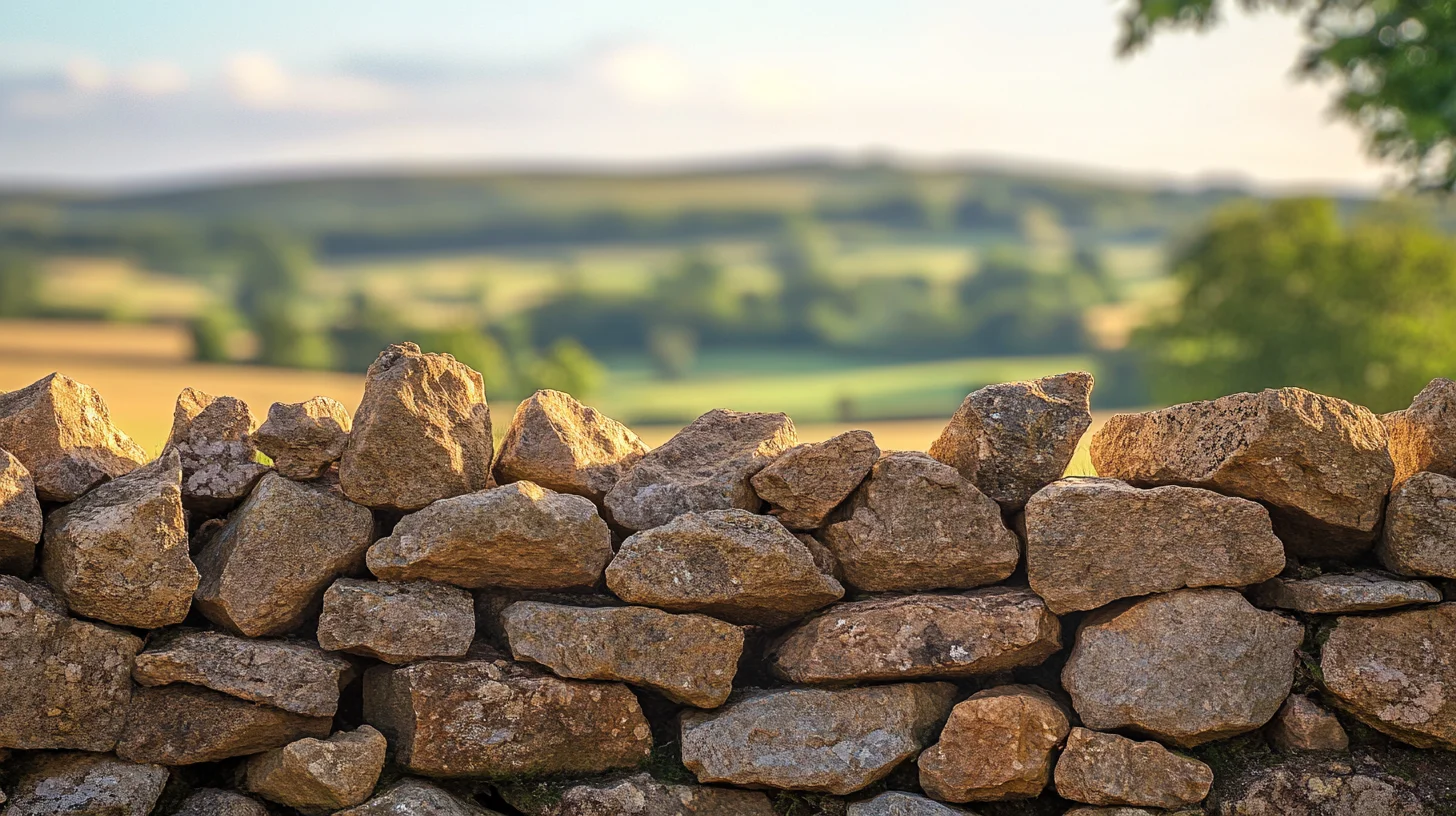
(899, 803)
(1304, 725)
(397, 623)
(1012, 439)
(1093, 541)
(1393, 672)
(1338, 594)
(415, 797)
(814, 739)
(266, 571)
(66, 683)
(290, 675)
(1420, 527)
(213, 437)
(1187, 667)
(421, 434)
(1322, 788)
(641, 795)
(183, 725)
(61, 431)
(729, 564)
(688, 658)
(119, 553)
(520, 536)
(915, 524)
(1423, 436)
(901, 638)
(214, 802)
(75, 784)
(304, 438)
(996, 745)
(706, 466)
(320, 776)
(1106, 769)
(20, 517)
(1129, 811)
(1320, 462)
(499, 719)
(562, 445)
(808, 481)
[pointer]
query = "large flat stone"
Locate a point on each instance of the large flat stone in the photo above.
(215, 802)
(185, 725)
(899, 803)
(1320, 787)
(80, 784)
(641, 795)
(1343, 593)
(416, 797)
(290, 675)
(397, 622)
(1108, 769)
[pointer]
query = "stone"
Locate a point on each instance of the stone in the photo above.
(500, 719)
(397, 622)
(819, 740)
(1107, 769)
(730, 564)
(1423, 436)
(915, 524)
(519, 536)
(415, 797)
(1304, 725)
(1420, 527)
(996, 745)
(266, 572)
(288, 675)
(421, 434)
(20, 517)
(213, 437)
(1391, 672)
(1187, 667)
(705, 466)
(1012, 439)
(1343, 593)
(1310, 787)
(304, 439)
(981, 632)
(66, 682)
(562, 445)
(1128, 811)
(62, 432)
(1320, 463)
(320, 776)
(119, 553)
(1092, 541)
(899, 803)
(79, 784)
(641, 795)
(806, 483)
(215, 802)
(687, 658)
(183, 725)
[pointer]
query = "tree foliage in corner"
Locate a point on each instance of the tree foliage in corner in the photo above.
(1285, 294)
(1393, 60)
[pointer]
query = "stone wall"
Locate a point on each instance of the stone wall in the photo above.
(390, 614)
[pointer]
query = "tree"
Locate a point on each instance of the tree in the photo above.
(19, 284)
(1394, 62)
(1284, 294)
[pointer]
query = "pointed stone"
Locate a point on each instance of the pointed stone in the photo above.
(397, 623)
(185, 725)
(266, 571)
(520, 536)
(1420, 527)
(1107, 769)
(1343, 593)
(730, 564)
(706, 466)
(641, 795)
(304, 439)
(997, 745)
(77, 784)
(62, 432)
(421, 434)
(914, 525)
(1012, 439)
(808, 481)
(119, 553)
(1423, 436)
(289, 675)
(213, 437)
(320, 776)
(1304, 725)
(214, 802)
(416, 797)
(20, 517)
(565, 446)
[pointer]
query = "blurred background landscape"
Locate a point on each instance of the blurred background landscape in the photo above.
(171, 218)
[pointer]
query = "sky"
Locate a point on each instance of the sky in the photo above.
(106, 93)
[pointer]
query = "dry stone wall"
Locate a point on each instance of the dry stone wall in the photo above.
(384, 614)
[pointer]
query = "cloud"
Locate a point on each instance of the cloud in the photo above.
(155, 78)
(643, 74)
(256, 80)
(86, 75)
